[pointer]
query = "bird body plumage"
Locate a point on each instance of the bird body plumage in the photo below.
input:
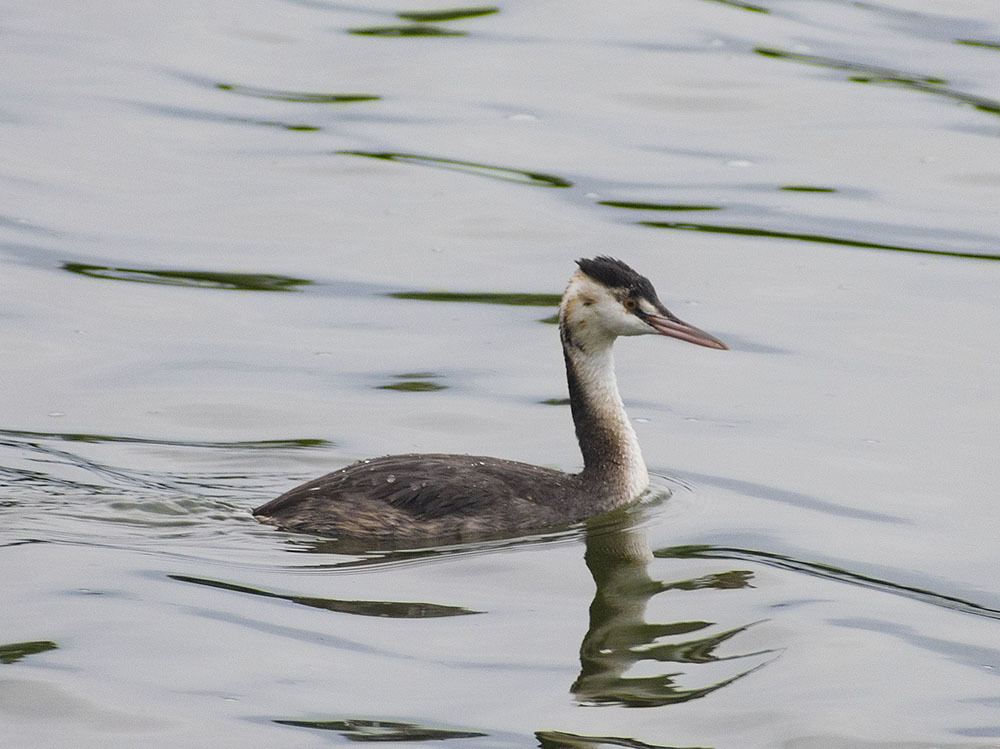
(425, 496)
(422, 498)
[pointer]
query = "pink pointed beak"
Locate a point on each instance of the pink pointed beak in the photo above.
(669, 325)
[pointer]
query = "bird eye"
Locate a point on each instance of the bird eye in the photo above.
(631, 305)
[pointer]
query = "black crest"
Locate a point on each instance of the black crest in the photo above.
(617, 275)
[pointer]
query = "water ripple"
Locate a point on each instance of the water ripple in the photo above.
(742, 5)
(385, 609)
(749, 231)
(471, 297)
(17, 435)
(365, 730)
(408, 31)
(451, 14)
(301, 97)
(828, 572)
(564, 740)
(196, 278)
(508, 174)
(865, 73)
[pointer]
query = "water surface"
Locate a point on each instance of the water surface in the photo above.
(242, 247)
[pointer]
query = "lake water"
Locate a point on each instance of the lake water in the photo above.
(242, 244)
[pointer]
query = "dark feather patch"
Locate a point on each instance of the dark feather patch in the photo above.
(615, 274)
(417, 491)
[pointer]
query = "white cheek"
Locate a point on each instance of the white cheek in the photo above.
(634, 326)
(617, 318)
(624, 322)
(599, 322)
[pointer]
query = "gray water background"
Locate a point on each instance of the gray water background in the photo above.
(242, 244)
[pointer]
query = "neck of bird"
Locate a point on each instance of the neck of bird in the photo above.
(611, 455)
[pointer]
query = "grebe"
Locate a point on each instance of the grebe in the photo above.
(402, 499)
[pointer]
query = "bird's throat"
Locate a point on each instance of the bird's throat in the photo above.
(611, 456)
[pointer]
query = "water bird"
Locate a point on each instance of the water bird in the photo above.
(422, 498)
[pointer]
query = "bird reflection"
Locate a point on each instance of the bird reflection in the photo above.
(619, 637)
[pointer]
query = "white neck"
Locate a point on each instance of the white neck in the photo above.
(611, 453)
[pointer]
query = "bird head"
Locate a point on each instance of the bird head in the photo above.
(606, 299)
